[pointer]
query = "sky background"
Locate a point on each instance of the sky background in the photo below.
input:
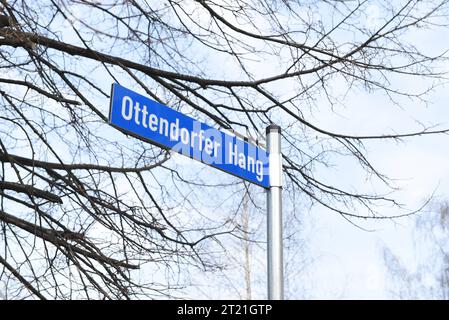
(351, 263)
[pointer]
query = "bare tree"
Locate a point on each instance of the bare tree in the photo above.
(430, 278)
(88, 212)
(246, 245)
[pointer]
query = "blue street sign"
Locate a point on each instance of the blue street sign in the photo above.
(154, 122)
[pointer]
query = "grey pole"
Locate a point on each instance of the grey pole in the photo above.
(275, 263)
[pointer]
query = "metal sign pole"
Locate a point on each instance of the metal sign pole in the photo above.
(275, 263)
